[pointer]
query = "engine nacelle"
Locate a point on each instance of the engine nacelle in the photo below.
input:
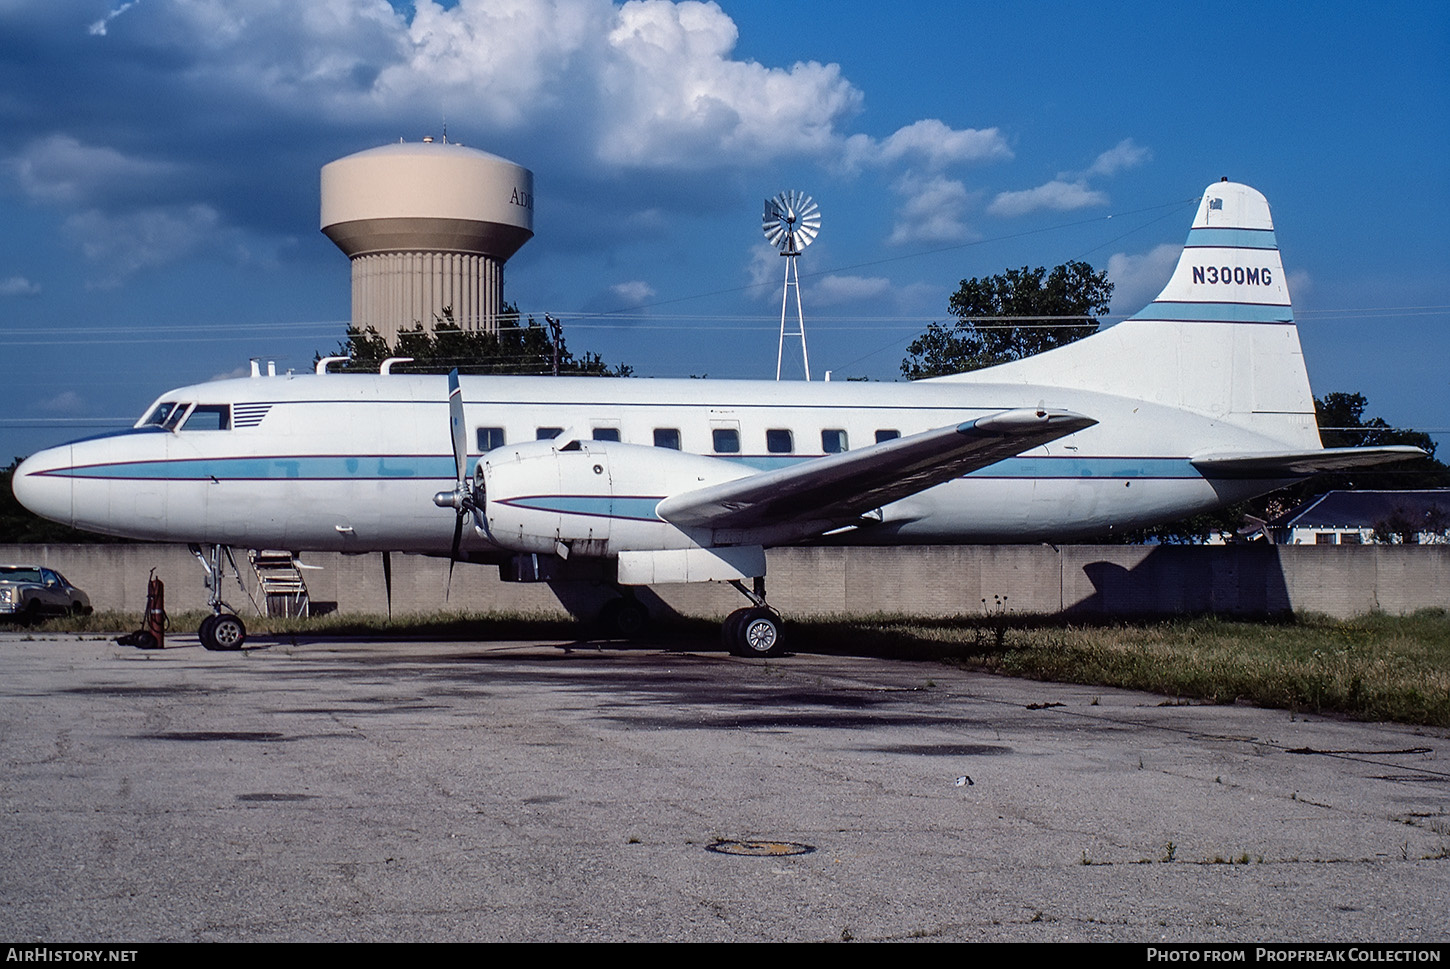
(590, 498)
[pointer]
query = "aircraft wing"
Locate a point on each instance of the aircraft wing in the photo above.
(1267, 464)
(841, 487)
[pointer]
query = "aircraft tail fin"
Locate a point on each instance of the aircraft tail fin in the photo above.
(1220, 338)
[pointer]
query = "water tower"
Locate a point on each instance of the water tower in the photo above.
(428, 226)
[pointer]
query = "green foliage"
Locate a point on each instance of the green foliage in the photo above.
(517, 348)
(1019, 313)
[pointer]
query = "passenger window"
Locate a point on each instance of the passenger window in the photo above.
(547, 433)
(606, 434)
(778, 442)
(490, 438)
(209, 417)
(833, 441)
(667, 437)
(727, 440)
(887, 436)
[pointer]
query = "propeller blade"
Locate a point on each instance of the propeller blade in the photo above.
(460, 435)
(453, 554)
(388, 580)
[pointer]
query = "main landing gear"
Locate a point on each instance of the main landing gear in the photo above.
(754, 630)
(623, 618)
(222, 630)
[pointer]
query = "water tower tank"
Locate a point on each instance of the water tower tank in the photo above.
(428, 226)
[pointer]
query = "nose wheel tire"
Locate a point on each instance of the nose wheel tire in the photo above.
(753, 632)
(223, 632)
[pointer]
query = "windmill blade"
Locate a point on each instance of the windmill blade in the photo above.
(792, 221)
(808, 221)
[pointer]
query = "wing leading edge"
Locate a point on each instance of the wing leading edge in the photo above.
(839, 488)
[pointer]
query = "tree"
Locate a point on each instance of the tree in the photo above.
(514, 349)
(1016, 314)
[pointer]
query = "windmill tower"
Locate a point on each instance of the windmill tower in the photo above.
(792, 221)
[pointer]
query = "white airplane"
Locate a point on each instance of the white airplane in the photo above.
(1200, 400)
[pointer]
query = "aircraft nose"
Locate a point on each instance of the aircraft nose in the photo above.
(40, 490)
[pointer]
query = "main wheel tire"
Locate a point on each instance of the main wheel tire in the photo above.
(623, 619)
(758, 633)
(224, 632)
(730, 629)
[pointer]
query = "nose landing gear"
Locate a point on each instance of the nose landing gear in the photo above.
(222, 630)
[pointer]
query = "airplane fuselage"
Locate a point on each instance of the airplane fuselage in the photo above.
(350, 462)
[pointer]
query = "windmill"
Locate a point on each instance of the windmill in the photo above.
(792, 221)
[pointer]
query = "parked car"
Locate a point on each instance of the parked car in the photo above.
(30, 593)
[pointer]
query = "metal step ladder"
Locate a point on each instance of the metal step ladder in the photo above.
(283, 589)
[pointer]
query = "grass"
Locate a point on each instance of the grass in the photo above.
(1375, 667)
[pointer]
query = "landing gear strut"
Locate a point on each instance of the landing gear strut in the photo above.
(754, 630)
(221, 630)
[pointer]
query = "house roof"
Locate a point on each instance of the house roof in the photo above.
(1366, 509)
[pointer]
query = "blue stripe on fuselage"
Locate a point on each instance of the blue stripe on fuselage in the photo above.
(386, 467)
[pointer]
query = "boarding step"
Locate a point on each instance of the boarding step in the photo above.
(281, 582)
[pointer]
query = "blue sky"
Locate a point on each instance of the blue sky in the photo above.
(159, 173)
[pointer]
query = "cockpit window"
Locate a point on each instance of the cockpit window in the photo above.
(209, 417)
(159, 415)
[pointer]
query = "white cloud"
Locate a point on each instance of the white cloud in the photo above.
(930, 142)
(1056, 195)
(632, 293)
(1070, 190)
(650, 84)
(98, 29)
(934, 210)
(834, 290)
(1137, 279)
(1124, 155)
(59, 168)
(125, 244)
(66, 402)
(1301, 284)
(18, 286)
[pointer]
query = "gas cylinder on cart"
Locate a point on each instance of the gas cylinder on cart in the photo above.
(155, 623)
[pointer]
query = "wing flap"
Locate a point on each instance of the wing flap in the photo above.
(839, 488)
(1267, 464)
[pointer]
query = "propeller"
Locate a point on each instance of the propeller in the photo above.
(461, 498)
(388, 580)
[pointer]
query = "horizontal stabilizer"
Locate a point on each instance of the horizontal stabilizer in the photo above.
(1267, 464)
(841, 487)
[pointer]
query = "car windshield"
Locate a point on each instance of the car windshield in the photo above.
(14, 573)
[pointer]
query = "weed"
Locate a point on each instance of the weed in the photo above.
(1170, 851)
